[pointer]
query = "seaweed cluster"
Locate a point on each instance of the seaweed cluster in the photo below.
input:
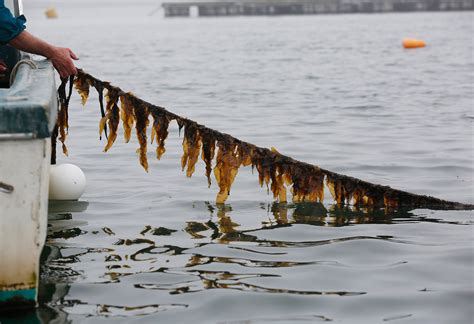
(225, 154)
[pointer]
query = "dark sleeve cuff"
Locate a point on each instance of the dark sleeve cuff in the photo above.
(11, 28)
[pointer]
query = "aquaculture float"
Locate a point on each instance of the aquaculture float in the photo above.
(413, 43)
(28, 111)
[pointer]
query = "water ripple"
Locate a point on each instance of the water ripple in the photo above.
(79, 307)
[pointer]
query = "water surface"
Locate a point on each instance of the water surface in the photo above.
(338, 91)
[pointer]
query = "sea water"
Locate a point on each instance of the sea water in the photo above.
(338, 91)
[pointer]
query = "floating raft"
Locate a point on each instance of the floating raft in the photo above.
(280, 173)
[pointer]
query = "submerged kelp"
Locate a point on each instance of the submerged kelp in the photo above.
(278, 172)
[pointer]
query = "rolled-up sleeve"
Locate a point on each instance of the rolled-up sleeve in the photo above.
(10, 27)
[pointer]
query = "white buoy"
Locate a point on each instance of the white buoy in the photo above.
(66, 182)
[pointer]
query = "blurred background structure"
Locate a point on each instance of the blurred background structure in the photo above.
(306, 7)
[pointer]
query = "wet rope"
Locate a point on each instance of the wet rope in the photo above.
(227, 153)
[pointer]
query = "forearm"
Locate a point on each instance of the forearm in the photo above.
(28, 43)
(61, 57)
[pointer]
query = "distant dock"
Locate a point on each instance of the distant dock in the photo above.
(307, 7)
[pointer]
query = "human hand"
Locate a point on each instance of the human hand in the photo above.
(62, 59)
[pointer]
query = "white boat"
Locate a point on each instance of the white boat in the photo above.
(28, 110)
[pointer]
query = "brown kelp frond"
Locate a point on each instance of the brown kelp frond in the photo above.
(259, 162)
(141, 112)
(308, 183)
(112, 117)
(191, 148)
(81, 83)
(159, 131)
(63, 117)
(278, 172)
(208, 150)
(127, 115)
(54, 140)
(346, 190)
(271, 169)
(228, 161)
(63, 114)
(278, 186)
(100, 86)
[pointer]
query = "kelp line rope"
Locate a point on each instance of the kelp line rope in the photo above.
(276, 170)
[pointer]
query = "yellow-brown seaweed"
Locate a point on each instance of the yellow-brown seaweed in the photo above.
(160, 132)
(277, 171)
(82, 86)
(227, 165)
(127, 116)
(307, 183)
(112, 118)
(208, 151)
(63, 114)
(100, 86)
(191, 148)
(141, 114)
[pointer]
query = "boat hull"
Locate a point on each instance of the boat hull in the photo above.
(27, 115)
(23, 223)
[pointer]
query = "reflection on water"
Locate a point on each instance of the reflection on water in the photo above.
(245, 265)
(78, 307)
(291, 319)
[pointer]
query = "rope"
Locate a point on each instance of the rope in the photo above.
(279, 172)
(27, 61)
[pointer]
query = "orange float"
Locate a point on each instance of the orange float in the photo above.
(413, 43)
